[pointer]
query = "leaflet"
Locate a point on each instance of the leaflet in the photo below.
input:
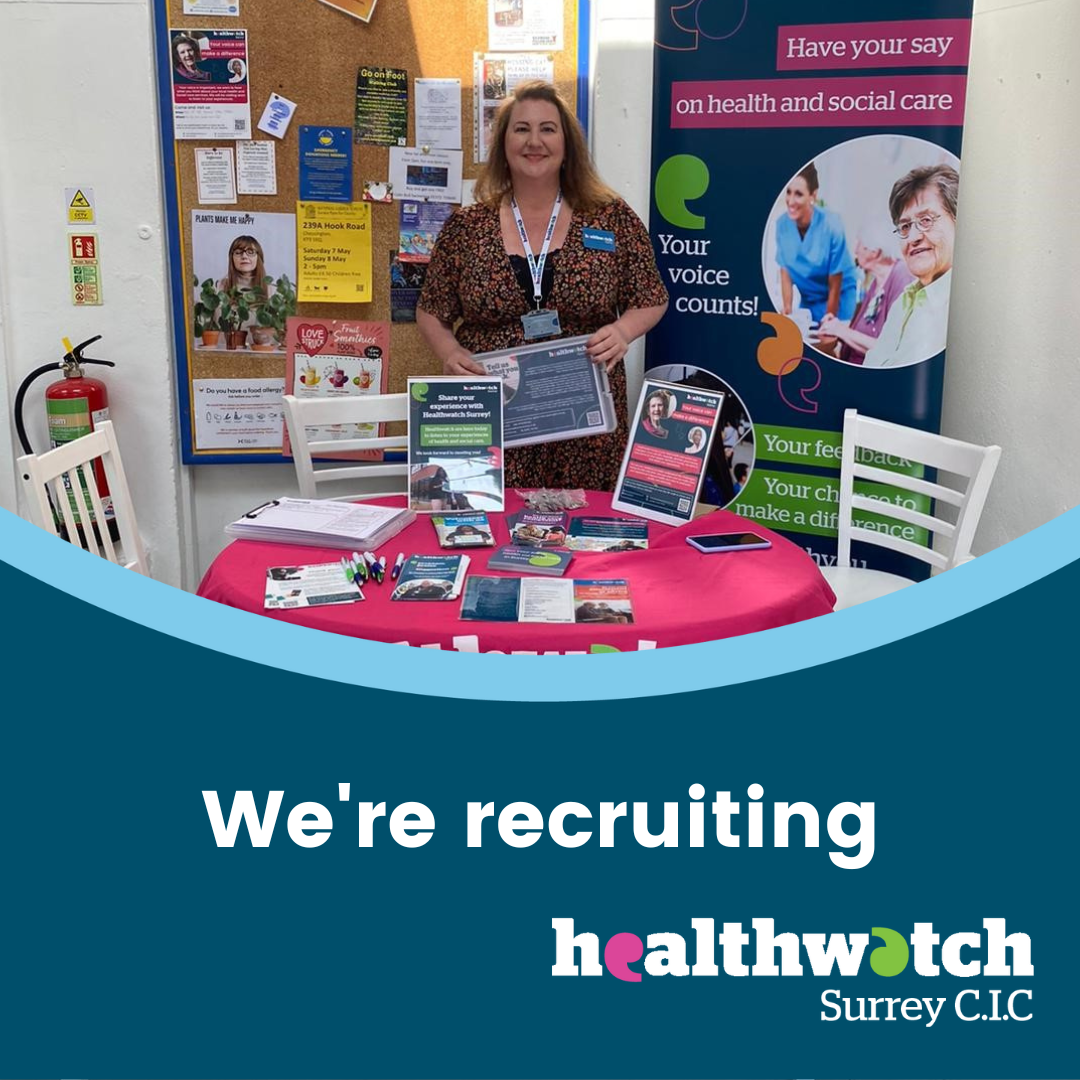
(546, 600)
(533, 528)
(607, 534)
(309, 586)
(431, 577)
(463, 530)
(455, 444)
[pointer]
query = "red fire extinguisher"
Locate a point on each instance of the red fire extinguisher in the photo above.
(73, 406)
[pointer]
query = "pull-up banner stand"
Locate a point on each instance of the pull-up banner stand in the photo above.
(805, 170)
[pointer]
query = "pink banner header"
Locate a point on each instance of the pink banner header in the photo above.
(911, 43)
(873, 101)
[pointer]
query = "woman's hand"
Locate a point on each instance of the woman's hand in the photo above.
(607, 346)
(460, 362)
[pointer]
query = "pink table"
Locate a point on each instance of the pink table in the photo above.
(680, 596)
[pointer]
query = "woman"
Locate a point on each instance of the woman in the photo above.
(657, 407)
(236, 67)
(697, 439)
(888, 277)
(923, 208)
(186, 56)
(812, 252)
(248, 274)
(480, 285)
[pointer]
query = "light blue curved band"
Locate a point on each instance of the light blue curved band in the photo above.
(513, 678)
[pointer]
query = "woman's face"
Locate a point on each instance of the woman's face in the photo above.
(245, 258)
(799, 200)
(928, 254)
(185, 53)
(695, 437)
(535, 145)
(656, 409)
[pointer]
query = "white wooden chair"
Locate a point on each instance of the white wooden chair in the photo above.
(974, 466)
(59, 475)
(302, 415)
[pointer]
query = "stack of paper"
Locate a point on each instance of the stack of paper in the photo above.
(322, 523)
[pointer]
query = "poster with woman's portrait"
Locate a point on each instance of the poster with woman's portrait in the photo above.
(245, 280)
(210, 93)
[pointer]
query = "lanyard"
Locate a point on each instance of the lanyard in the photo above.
(536, 266)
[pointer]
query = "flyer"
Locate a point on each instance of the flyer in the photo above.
(335, 358)
(455, 444)
(418, 228)
(406, 281)
(663, 467)
(495, 76)
(382, 106)
(245, 269)
(434, 175)
(237, 414)
(256, 168)
(210, 84)
(309, 586)
(325, 164)
(525, 24)
(438, 113)
(333, 246)
(215, 175)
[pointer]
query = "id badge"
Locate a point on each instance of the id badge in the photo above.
(541, 324)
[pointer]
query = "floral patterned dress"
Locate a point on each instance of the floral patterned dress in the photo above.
(472, 285)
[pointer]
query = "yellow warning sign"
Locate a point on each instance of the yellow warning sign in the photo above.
(80, 205)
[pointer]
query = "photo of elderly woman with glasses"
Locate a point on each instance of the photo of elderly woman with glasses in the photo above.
(892, 200)
(923, 209)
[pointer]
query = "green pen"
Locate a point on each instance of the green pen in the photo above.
(359, 567)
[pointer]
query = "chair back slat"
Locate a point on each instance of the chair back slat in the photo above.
(904, 513)
(972, 465)
(915, 484)
(899, 544)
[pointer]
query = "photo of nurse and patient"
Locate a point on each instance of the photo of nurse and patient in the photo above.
(858, 250)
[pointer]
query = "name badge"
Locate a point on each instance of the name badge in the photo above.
(541, 324)
(598, 239)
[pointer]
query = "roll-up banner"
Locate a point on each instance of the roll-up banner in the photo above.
(805, 167)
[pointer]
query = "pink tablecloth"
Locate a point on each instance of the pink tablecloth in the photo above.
(680, 596)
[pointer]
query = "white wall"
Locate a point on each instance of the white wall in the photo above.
(1013, 370)
(77, 106)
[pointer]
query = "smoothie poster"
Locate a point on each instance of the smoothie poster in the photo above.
(806, 169)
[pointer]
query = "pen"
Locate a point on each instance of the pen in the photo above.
(377, 568)
(359, 566)
(399, 562)
(350, 573)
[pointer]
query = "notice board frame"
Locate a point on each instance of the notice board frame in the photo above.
(407, 354)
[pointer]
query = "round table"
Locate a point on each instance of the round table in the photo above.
(680, 596)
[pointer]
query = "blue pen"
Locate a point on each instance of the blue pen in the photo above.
(360, 566)
(350, 573)
(398, 564)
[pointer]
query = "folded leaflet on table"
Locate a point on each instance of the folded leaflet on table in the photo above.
(321, 523)
(552, 391)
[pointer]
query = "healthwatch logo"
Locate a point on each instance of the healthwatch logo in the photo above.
(963, 955)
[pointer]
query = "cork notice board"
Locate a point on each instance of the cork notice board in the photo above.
(309, 53)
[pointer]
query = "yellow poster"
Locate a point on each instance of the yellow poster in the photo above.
(333, 252)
